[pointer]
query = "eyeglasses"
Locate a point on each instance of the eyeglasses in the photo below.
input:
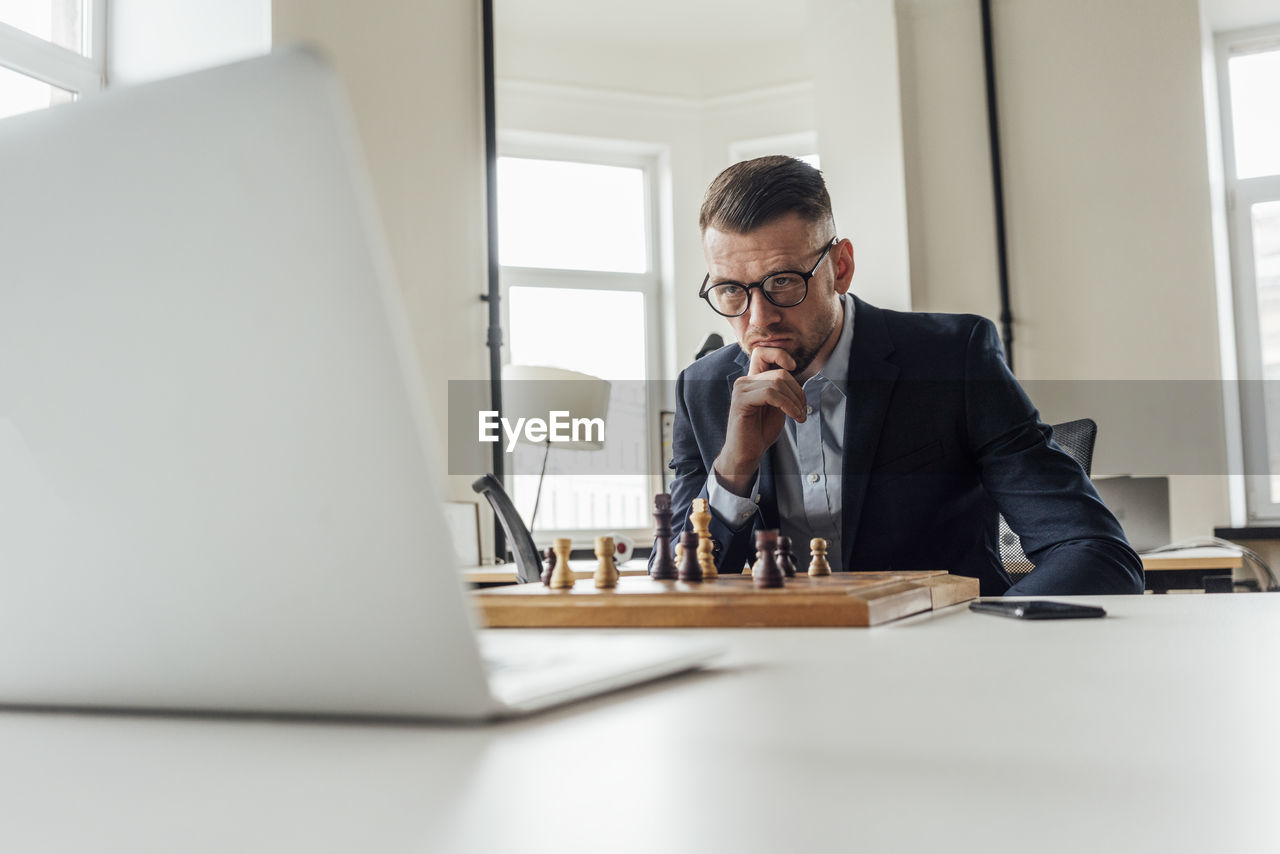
(785, 289)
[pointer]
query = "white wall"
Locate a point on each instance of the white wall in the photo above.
(413, 74)
(950, 206)
(150, 39)
(853, 55)
(1108, 209)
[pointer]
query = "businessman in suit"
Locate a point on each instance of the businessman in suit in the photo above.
(896, 436)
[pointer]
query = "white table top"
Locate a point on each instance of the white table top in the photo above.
(1150, 730)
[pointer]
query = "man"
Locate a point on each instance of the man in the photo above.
(898, 437)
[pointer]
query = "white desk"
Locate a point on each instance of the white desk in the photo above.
(1151, 730)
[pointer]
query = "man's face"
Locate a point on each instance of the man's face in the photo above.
(788, 243)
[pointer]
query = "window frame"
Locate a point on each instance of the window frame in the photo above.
(1241, 196)
(82, 74)
(602, 152)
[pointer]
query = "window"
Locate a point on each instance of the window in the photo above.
(580, 292)
(1249, 74)
(51, 51)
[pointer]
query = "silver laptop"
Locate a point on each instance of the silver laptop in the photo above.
(216, 469)
(1141, 506)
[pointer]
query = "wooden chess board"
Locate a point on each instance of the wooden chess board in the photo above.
(729, 601)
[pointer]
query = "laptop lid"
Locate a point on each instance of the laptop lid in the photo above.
(215, 490)
(1141, 506)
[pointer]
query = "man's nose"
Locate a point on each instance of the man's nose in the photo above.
(762, 313)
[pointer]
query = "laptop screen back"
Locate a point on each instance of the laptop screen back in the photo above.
(215, 490)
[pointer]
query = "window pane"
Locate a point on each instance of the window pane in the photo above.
(601, 333)
(1266, 260)
(1255, 113)
(57, 21)
(21, 94)
(571, 216)
(596, 332)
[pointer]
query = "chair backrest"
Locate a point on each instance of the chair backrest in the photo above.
(1077, 439)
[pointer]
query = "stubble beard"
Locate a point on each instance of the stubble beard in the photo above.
(806, 353)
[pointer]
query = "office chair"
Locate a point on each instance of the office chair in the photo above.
(1076, 438)
(714, 342)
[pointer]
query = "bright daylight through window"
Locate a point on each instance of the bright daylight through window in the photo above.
(1252, 127)
(50, 52)
(576, 243)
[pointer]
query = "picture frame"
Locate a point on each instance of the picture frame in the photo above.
(463, 518)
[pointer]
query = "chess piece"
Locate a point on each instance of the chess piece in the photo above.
(548, 565)
(664, 567)
(562, 575)
(689, 569)
(786, 560)
(766, 572)
(818, 557)
(606, 573)
(700, 518)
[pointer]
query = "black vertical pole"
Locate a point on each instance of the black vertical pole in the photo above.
(997, 180)
(494, 338)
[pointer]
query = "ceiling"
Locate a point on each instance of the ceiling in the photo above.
(1238, 14)
(691, 48)
(696, 48)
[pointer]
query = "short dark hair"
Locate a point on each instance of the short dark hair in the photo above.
(756, 192)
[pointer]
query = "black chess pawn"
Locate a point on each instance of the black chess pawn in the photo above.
(690, 569)
(786, 560)
(766, 572)
(664, 565)
(548, 565)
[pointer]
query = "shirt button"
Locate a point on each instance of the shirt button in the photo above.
(756, 499)
(808, 410)
(813, 478)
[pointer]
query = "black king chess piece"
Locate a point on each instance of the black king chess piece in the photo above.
(664, 564)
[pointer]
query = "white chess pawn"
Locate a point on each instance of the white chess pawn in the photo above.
(562, 575)
(606, 572)
(818, 564)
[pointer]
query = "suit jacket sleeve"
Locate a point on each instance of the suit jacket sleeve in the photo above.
(1074, 541)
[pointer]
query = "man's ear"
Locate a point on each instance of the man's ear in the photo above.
(843, 254)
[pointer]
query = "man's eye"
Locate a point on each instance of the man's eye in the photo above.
(782, 282)
(729, 290)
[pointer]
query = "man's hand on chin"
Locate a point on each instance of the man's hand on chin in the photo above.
(759, 407)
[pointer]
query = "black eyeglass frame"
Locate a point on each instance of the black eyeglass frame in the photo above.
(705, 292)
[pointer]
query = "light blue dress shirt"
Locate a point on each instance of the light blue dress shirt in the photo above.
(807, 462)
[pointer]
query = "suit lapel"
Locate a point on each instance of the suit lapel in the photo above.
(871, 380)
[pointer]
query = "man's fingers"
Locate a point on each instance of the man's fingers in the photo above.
(770, 358)
(777, 389)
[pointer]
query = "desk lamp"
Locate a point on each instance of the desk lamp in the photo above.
(530, 391)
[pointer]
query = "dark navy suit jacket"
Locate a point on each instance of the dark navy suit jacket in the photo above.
(938, 438)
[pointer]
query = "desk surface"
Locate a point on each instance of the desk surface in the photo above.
(1206, 557)
(1150, 730)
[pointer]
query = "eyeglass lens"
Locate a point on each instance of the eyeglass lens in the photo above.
(783, 290)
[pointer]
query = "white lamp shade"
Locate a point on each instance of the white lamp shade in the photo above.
(533, 391)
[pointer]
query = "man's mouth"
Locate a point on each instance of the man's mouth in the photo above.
(778, 341)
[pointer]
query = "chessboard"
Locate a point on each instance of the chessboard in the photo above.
(727, 601)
